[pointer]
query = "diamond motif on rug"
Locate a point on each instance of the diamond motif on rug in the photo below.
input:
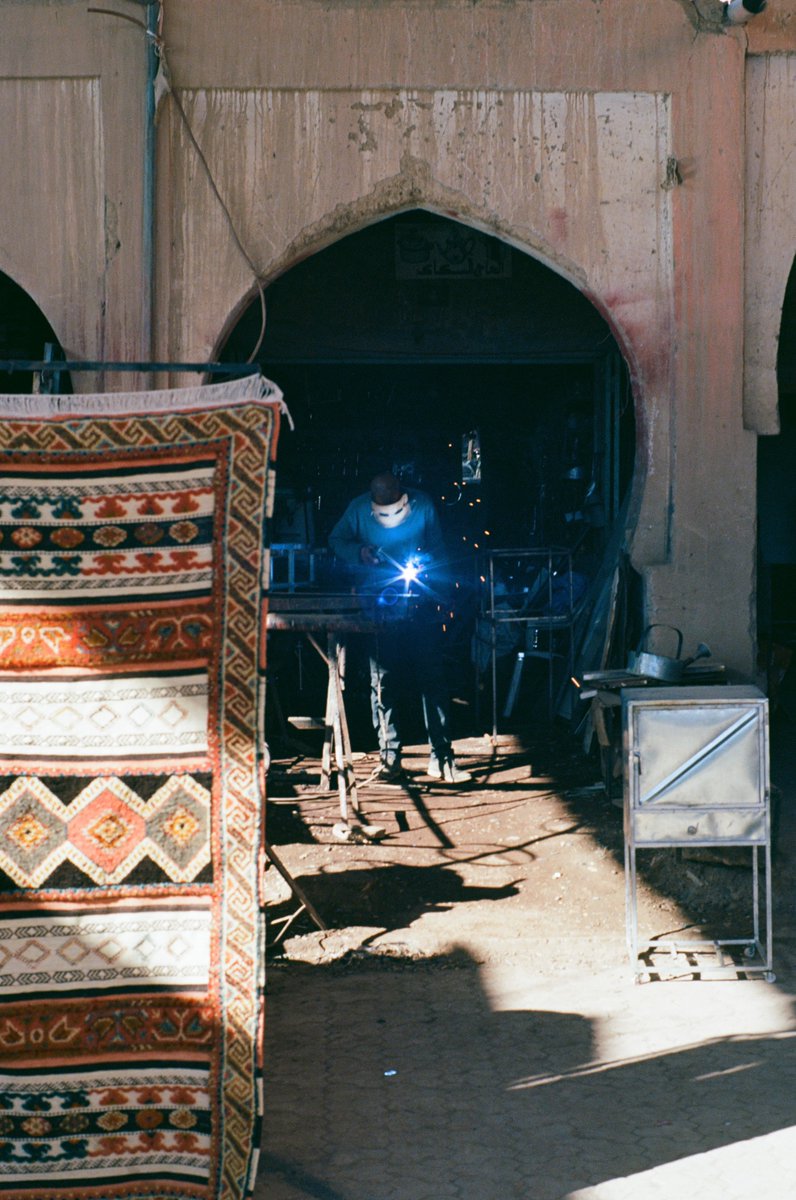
(106, 831)
(131, 560)
(59, 951)
(32, 837)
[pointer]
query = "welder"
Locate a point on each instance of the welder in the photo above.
(390, 539)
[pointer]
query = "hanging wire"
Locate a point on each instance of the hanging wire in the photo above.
(200, 153)
(110, 12)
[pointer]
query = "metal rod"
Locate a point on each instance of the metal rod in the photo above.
(756, 895)
(46, 380)
(57, 365)
(337, 648)
(769, 907)
(616, 409)
(493, 637)
(350, 358)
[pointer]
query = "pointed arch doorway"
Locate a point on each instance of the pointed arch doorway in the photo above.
(417, 341)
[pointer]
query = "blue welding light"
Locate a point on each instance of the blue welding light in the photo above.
(410, 571)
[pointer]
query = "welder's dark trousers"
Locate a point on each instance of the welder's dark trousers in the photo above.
(406, 660)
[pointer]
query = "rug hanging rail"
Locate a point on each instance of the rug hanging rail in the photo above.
(56, 365)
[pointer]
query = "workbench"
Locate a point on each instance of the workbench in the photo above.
(325, 621)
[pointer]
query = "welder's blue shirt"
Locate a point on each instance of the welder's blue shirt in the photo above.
(418, 534)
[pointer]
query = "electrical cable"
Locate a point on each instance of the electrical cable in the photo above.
(244, 253)
(110, 12)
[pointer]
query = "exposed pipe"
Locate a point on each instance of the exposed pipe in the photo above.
(153, 14)
(152, 38)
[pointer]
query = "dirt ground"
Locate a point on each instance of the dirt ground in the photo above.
(468, 1028)
(532, 846)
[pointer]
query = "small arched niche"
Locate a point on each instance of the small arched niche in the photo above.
(26, 335)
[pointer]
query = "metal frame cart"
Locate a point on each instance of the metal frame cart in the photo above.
(697, 774)
(529, 593)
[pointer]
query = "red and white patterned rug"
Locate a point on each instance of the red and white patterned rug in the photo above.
(132, 558)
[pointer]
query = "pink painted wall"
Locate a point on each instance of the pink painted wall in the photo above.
(608, 139)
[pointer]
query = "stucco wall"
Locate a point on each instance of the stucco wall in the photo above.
(606, 138)
(51, 219)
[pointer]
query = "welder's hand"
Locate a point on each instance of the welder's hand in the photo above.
(368, 556)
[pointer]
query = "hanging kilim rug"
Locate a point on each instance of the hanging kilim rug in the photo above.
(131, 561)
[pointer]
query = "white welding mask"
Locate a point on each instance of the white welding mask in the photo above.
(390, 515)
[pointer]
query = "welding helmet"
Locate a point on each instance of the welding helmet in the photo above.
(391, 515)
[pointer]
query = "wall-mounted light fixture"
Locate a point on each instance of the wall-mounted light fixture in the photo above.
(738, 12)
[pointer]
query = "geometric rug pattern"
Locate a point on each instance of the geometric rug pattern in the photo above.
(101, 950)
(133, 553)
(106, 832)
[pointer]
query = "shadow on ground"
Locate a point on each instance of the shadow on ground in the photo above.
(712, 888)
(391, 897)
(397, 1079)
(393, 1078)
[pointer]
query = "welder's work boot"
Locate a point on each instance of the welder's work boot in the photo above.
(448, 772)
(389, 771)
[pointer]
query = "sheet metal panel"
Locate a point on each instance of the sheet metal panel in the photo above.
(697, 774)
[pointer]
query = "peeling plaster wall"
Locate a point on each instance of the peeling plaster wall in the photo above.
(708, 586)
(607, 139)
(565, 175)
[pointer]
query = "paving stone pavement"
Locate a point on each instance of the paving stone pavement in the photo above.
(446, 1079)
(533, 1068)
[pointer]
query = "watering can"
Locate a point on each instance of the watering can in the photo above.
(661, 666)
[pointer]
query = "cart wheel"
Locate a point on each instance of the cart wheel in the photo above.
(642, 977)
(770, 977)
(750, 951)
